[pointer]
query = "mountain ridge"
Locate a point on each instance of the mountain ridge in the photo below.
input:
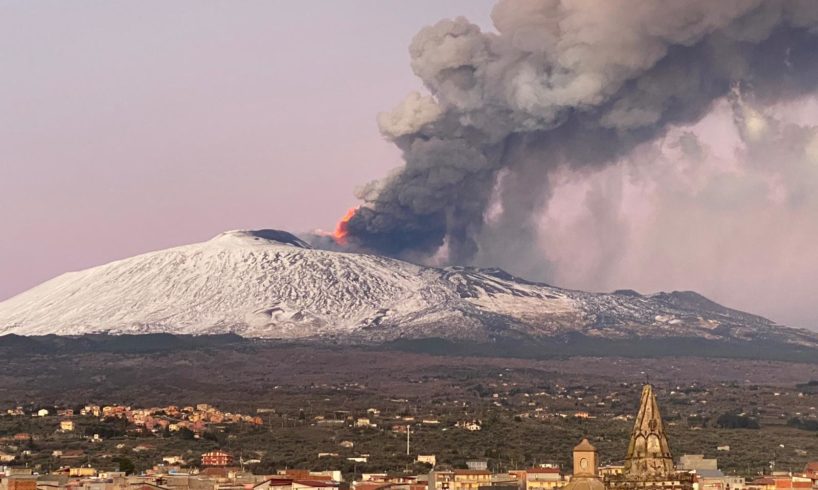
(272, 284)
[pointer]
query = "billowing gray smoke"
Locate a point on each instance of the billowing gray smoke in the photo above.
(562, 83)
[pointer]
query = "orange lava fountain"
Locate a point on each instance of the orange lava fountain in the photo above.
(341, 231)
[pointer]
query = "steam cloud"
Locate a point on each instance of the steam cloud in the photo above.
(562, 84)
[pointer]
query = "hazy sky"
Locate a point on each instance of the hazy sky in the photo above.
(127, 127)
(132, 126)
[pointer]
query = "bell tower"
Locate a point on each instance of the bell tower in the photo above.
(585, 460)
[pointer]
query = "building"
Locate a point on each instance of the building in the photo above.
(430, 459)
(649, 462)
(783, 481)
(811, 472)
(499, 486)
(470, 479)
(20, 479)
(173, 460)
(299, 474)
(441, 480)
(275, 484)
(82, 471)
(586, 469)
(716, 480)
(73, 454)
(470, 425)
(216, 458)
(585, 460)
(707, 475)
(67, 425)
(459, 479)
(693, 462)
(296, 484)
(505, 481)
(381, 481)
(610, 470)
(543, 479)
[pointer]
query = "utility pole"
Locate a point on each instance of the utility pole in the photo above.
(408, 430)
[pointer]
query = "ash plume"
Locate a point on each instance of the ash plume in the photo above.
(561, 84)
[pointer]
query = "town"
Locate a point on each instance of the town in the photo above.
(113, 447)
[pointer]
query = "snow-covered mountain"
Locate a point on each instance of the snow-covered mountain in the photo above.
(271, 284)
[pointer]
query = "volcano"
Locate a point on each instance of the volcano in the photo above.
(271, 284)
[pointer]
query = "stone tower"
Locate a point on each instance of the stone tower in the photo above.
(585, 475)
(585, 460)
(649, 455)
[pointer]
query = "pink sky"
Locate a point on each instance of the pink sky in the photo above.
(129, 127)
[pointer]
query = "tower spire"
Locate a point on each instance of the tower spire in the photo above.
(648, 452)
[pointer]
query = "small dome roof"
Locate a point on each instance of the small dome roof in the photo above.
(584, 484)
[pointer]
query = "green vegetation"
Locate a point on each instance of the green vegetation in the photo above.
(803, 424)
(124, 464)
(736, 421)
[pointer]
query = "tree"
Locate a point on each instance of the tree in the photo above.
(125, 464)
(736, 421)
(186, 434)
(802, 424)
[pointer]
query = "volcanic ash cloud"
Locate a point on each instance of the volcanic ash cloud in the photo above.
(561, 84)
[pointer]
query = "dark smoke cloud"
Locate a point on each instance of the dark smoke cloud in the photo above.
(561, 84)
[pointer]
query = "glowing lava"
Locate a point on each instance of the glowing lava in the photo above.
(341, 231)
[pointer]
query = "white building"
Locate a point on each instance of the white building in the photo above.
(427, 458)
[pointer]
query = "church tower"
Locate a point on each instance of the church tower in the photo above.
(585, 475)
(649, 464)
(648, 452)
(585, 461)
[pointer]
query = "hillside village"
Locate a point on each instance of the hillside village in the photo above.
(223, 469)
(395, 444)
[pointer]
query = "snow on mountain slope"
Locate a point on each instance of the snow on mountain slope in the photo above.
(239, 281)
(269, 283)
